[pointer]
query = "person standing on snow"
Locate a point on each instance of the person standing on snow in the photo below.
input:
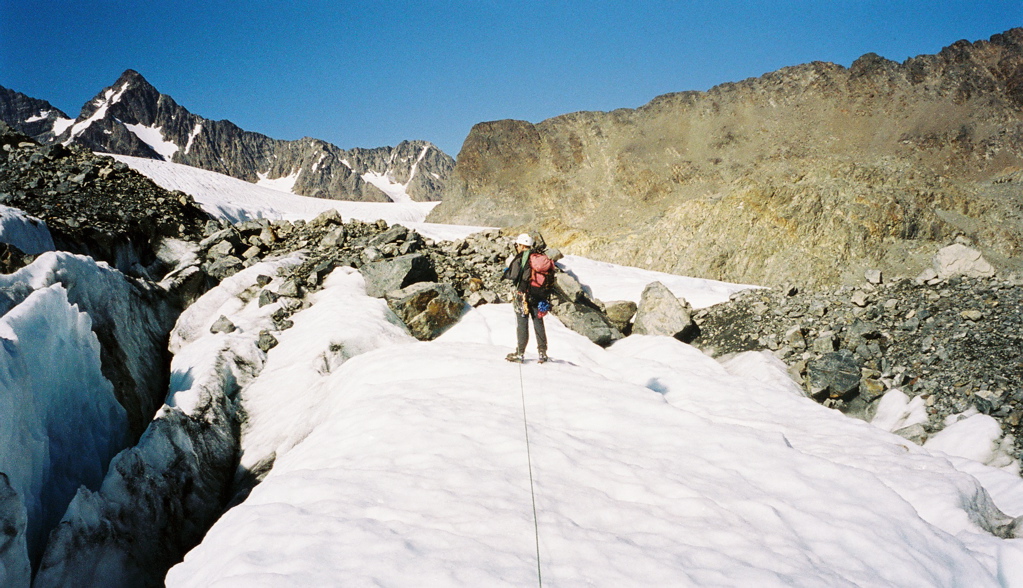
(531, 274)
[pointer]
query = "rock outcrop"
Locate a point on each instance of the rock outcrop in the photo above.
(811, 174)
(949, 344)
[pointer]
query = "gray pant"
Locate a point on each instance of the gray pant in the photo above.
(522, 330)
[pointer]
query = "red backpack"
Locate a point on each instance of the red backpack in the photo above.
(542, 274)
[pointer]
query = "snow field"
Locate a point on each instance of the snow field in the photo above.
(237, 200)
(404, 463)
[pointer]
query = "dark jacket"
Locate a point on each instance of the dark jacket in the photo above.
(518, 271)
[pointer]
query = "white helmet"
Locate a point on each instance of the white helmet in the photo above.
(524, 239)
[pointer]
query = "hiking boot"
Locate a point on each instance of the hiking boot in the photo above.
(543, 357)
(514, 357)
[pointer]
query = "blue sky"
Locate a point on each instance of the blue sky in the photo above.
(366, 74)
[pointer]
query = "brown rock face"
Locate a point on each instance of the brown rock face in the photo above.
(807, 174)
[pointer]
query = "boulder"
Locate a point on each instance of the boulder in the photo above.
(568, 288)
(836, 373)
(661, 313)
(223, 325)
(427, 308)
(587, 321)
(392, 235)
(224, 267)
(326, 218)
(620, 313)
(266, 341)
(385, 275)
(959, 260)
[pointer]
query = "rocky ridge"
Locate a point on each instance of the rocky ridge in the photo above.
(810, 174)
(131, 117)
(36, 118)
(954, 342)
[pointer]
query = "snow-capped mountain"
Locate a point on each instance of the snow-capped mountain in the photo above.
(131, 117)
(36, 118)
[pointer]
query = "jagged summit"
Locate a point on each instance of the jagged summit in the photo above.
(132, 117)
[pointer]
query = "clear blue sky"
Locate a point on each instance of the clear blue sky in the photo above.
(366, 74)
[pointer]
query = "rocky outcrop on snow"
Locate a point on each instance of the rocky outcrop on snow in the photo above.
(36, 118)
(131, 117)
(950, 344)
(94, 205)
(810, 174)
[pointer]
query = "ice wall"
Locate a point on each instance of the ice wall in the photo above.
(60, 423)
(24, 232)
(131, 318)
(160, 497)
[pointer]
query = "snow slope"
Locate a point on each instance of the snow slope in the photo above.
(403, 463)
(237, 200)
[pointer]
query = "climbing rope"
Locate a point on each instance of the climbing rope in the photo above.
(532, 492)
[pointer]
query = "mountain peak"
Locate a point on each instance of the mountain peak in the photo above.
(132, 79)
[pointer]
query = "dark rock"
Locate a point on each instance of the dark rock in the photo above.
(266, 341)
(267, 297)
(587, 321)
(836, 373)
(387, 275)
(392, 235)
(427, 308)
(225, 267)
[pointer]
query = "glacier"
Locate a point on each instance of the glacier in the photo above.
(350, 453)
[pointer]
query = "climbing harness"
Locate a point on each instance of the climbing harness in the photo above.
(532, 492)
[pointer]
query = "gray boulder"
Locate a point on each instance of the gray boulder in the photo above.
(392, 235)
(588, 321)
(385, 275)
(225, 267)
(568, 288)
(661, 313)
(427, 308)
(836, 373)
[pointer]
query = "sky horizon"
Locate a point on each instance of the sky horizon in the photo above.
(374, 74)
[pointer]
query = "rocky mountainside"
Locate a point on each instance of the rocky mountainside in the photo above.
(810, 174)
(36, 118)
(131, 117)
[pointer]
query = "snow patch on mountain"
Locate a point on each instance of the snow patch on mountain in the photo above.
(192, 135)
(153, 136)
(61, 124)
(395, 191)
(282, 184)
(109, 98)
